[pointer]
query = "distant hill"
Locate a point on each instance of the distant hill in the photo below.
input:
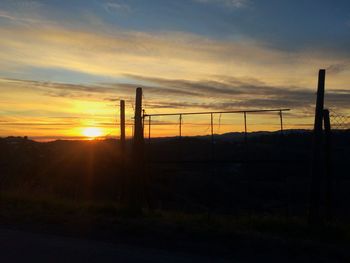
(230, 136)
(236, 136)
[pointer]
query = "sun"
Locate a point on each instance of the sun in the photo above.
(92, 132)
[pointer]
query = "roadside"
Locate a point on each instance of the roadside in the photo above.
(64, 230)
(20, 246)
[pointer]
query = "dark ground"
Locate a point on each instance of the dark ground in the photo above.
(236, 201)
(23, 246)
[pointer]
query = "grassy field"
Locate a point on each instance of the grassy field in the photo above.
(22, 208)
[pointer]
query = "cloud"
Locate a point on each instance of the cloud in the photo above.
(21, 12)
(27, 4)
(251, 93)
(115, 7)
(17, 18)
(219, 92)
(4, 14)
(337, 68)
(172, 55)
(58, 89)
(227, 3)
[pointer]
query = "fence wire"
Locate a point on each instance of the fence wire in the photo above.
(212, 123)
(339, 121)
(225, 162)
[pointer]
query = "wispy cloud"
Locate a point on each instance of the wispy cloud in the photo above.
(116, 7)
(27, 4)
(337, 68)
(17, 18)
(231, 93)
(226, 3)
(4, 14)
(172, 55)
(216, 93)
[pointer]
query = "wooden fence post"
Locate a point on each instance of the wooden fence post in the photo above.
(122, 150)
(317, 167)
(138, 121)
(122, 128)
(137, 162)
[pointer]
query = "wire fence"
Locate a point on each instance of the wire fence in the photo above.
(237, 162)
(339, 121)
(212, 123)
(213, 159)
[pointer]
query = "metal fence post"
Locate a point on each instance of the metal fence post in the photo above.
(328, 166)
(281, 121)
(149, 128)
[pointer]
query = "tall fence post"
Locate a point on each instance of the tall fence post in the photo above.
(138, 122)
(328, 166)
(137, 181)
(122, 149)
(317, 167)
(245, 127)
(122, 128)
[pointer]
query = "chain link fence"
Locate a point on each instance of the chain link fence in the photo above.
(339, 121)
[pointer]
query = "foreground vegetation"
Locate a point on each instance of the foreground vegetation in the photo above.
(20, 208)
(247, 209)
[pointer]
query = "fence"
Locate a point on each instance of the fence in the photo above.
(339, 121)
(216, 161)
(149, 117)
(213, 160)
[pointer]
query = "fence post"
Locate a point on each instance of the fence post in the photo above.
(149, 128)
(212, 136)
(317, 171)
(281, 121)
(143, 121)
(180, 150)
(122, 128)
(122, 149)
(328, 166)
(137, 180)
(180, 126)
(138, 122)
(245, 127)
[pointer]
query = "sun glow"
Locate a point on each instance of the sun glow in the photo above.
(92, 132)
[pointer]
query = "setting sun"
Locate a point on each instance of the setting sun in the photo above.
(92, 132)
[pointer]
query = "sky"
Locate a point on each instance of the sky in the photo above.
(64, 65)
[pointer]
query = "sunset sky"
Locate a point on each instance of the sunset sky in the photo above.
(64, 65)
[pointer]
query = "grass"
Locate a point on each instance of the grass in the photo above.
(276, 238)
(42, 210)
